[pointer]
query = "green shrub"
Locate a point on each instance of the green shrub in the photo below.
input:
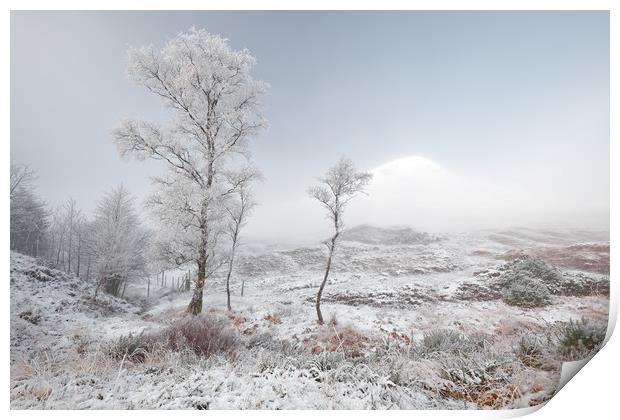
(579, 339)
(526, 292)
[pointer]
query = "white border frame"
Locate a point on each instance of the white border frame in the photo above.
(592, 394)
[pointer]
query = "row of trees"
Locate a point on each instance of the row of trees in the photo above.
(30, 221)
(112, 248)
(109, 248)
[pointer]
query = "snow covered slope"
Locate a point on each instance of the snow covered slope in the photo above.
(399, 311)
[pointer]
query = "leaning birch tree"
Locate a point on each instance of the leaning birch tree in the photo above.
(215, 105)
(340, 184)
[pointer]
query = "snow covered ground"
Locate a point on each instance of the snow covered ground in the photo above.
(415, 321)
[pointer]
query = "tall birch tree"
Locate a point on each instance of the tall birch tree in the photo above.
(215, 109)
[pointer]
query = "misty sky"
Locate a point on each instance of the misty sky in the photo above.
(467, 119)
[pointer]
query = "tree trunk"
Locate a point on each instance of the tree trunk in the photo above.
(59, 248)
(97, 288)
(242, 285)
(124, 288)
(195, 305)
(50, 251)
(320, 293)
(79, 251)
(70, 249)
(230, 267)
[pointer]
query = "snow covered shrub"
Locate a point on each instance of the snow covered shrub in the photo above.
(325, 361)
(534, 351)
(44, 274)
(530, 350)
(534, 268)
(579, 339)
(31, 315)
(259, 340)
(580, 284)
(267, 361)
(526, 292)
(449, 341)
(203, 334)
(441, 340)
(129, 347)
(484, 377)
(558, 283)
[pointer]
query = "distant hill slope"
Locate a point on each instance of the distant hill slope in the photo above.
(373, 235)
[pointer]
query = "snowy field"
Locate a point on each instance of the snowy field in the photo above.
(413, 321)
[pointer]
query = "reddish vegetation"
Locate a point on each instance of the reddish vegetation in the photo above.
(499, 397)
(202, 334)
(250, 330)
(347, 340)
(237, 320)
(273, 318)
(592, 258)
(401, 336)
(489, 397)
(536, 388)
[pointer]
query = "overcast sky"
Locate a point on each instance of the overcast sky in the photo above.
(467, 119)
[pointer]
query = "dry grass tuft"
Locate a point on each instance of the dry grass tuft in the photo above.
(273, 318)
(347, 340)
(204, 335)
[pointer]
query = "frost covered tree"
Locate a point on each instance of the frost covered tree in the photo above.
(238, 207)
(58, 235)
(116, 242)
(72, 215)
(215, 105)
(176, 205)
(340, 184)
(65, 236)
(29, 216)
(21, 177)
